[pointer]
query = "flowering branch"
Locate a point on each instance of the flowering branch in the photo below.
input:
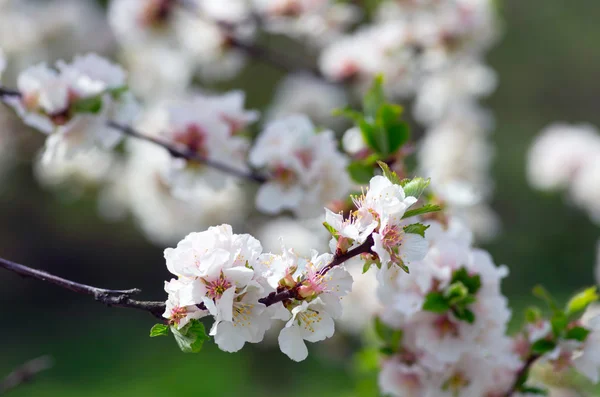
(337, 260)
(25, 373)
(187, 154)
(110, 297)
(178, 152)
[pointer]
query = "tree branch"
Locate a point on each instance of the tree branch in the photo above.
(25, 373)
(175, 151)
(110, 297)
(280, 296)
(122, 298)
(182, 152)
(523, 373)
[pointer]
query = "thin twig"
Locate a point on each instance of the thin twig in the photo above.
(280, 296)
(522, 373)
(175, 151)
(122, 298)
(110, 297)
(185, 153)
(25, 373)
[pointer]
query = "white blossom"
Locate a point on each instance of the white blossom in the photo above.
(306, 170)
(50, 101)
(217, 267)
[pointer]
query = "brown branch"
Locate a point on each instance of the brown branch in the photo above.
(122, 298)
(185, 153)
(110, 297)
(25, 373)
(175, 151)
(522, 375)
(280, 296)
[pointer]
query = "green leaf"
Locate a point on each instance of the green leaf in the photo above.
(331, 229)
(533, 314)
(456, 293)
(473, 283)
(464, 315)
(159, 330)
(579, 303)
(559, 322)
(416, 187)
(87, 105)
(117, 91)
(361, 172)
(396, 132)
(436, 302)
(533, 390)
(416, 228)
(577, 333)
(422, 210)
(191, 337)
(543, 346)
(369, 134)
(389, 174)
(366, 361)
(541, 293)
(350, 113)
(374, 98)
(389, 336)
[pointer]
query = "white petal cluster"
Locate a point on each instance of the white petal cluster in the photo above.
(144, 188)
(209, 127)
(224, 275)
(50, 101)
(567, 156)
(379, 215)
(439, 354)
(148, 30)
(310, 316)
(306, 170)
(456, 153)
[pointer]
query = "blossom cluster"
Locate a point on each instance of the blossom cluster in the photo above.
(452, 318)
(566, 156)
(228, 277)
(72, 103)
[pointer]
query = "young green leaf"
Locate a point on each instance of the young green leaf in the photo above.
(559, 322)
(436, 302)
(416, 228)
(159, 330)
(543, 346)
(331, 229)
(350, 113)
(361, 172)
(191, 337)
(374, 98)
(579, 303)
(577, 333)
(422, 210)
(533, 314)
(87, 105)
(416, 187)
(464, 314)
(389, 174)
(533, 390)
(473, 283)
(541, 293)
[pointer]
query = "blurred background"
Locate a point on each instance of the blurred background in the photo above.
(547, 61)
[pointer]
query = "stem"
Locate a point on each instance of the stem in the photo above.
(523, 373)
(182, 152)
(275, 297)
(122, 298)
(110, 297)
(25, 373)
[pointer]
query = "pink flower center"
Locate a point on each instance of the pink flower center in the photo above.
(177, 314)
(156, 13)
(192, 137)
(445, 327)
(215, 289)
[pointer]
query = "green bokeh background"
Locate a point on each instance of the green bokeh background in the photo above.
(549, 68)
